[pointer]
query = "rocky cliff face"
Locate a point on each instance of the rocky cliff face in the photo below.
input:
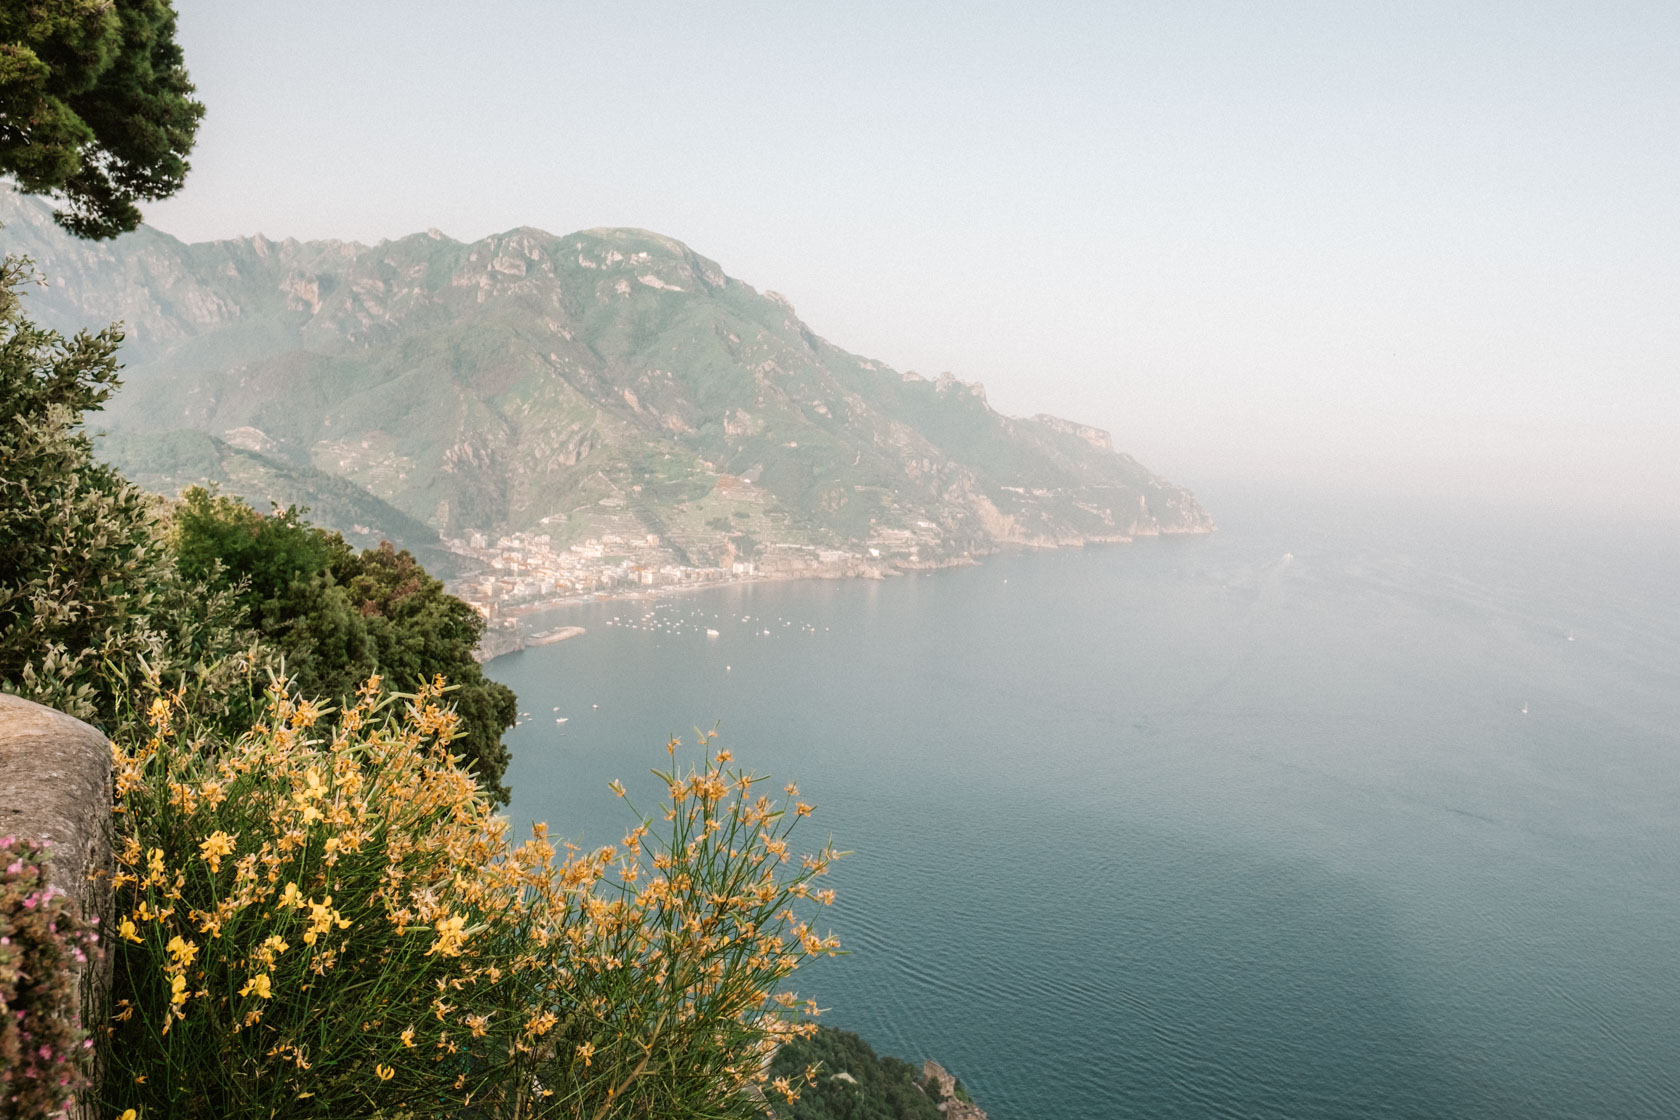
(535, 382)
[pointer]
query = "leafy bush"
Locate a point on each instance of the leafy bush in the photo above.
(42, 1042)
(324, 917)
(88, 591)
(338, 616)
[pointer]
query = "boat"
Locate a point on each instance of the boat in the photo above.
(711, 633)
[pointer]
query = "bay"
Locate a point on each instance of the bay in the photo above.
(1353, 808)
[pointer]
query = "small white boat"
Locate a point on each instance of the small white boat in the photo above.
(562, 719)
(711, 633)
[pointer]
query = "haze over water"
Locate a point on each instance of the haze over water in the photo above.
(1324, 815)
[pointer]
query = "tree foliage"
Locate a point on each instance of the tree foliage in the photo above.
(96, 108)
(339, 617)
(419, 630)
(851, 1082)
(89, 595)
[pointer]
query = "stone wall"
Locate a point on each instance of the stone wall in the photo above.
(55, 789)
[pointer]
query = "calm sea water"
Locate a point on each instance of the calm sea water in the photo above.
(1324, 815)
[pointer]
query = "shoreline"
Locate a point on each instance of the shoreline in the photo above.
(498, 643)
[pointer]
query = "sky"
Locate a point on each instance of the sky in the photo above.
(1428, 248)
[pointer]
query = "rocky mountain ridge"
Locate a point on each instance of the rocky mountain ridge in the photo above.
(606, 381)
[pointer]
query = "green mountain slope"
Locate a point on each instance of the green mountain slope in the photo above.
(529, 380)
(168, 461)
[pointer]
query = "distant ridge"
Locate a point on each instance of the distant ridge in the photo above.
(563, 384)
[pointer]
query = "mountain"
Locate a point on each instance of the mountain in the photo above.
(568, 385)
(168, 461)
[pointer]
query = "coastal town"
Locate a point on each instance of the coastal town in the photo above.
(515, 575)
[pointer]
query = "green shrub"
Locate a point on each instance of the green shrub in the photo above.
(89, 594)
(338, 616)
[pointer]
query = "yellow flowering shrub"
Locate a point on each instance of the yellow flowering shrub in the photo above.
(325, 918)
(649, 978)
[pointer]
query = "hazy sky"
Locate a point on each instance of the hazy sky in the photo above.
(1418, 245)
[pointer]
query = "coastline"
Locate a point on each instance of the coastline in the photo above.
(499, 641)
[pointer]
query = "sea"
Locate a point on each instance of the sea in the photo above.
(1355, 807)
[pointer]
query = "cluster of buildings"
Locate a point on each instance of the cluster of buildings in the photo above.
(527, 570)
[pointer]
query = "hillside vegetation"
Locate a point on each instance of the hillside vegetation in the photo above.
(846, 1080)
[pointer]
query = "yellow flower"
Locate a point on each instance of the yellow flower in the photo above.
(586, 1052)
(271, 947)
(183, 951)
(215, 846)
(450, 935)
(385, 1072)
(322, 917)
(127, 928)
(129, 1114)
(291, 896)
(259, 985)
(154, 868)
(408, 1037)
(178, 990)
